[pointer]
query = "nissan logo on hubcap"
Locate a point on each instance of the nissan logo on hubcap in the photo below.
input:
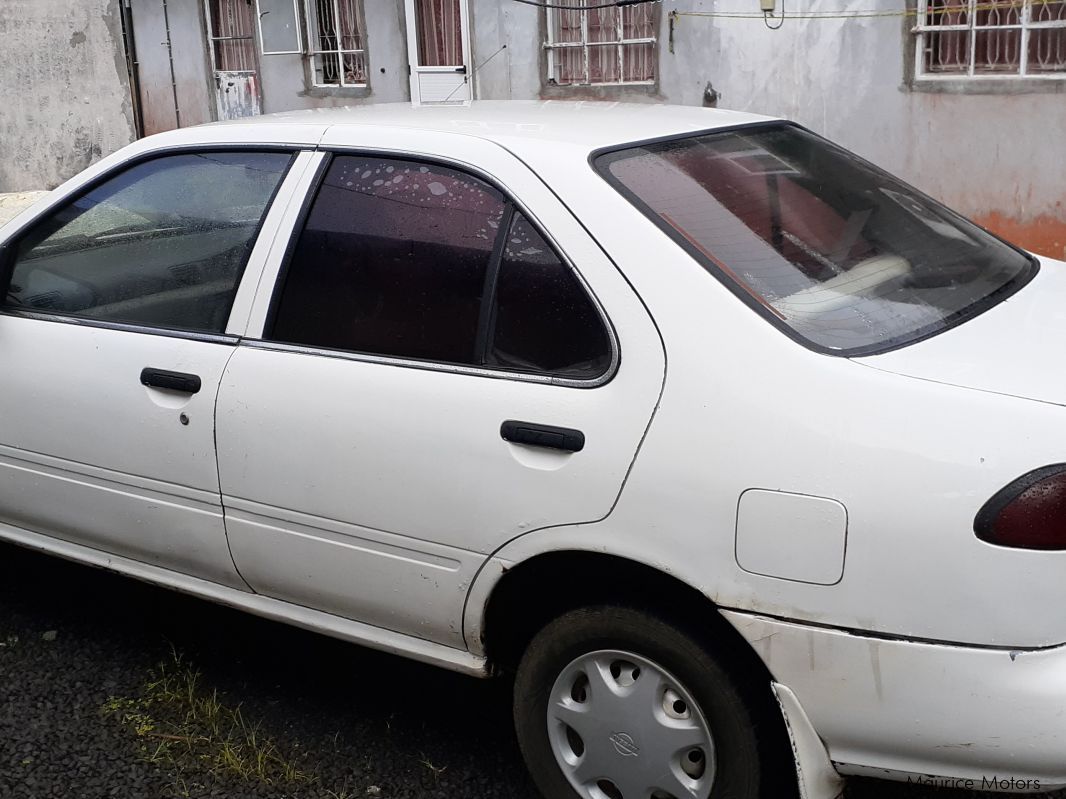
(624, 744)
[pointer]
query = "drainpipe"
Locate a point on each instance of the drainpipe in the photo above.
(170, 55)
(126, 18)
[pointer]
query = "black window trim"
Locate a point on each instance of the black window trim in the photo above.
(600, 160)
(9, 247)
(511, 206)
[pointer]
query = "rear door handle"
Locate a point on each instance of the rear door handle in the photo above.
(175, 381)
(542, 435)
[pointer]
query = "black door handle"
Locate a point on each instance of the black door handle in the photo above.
(175, 381)
(461, 70)
(542, 435)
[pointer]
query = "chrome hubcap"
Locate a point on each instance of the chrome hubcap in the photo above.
(622, 727)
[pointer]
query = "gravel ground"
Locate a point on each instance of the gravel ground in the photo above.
(75, 641)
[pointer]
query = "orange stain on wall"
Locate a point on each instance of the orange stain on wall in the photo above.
(1044, 235)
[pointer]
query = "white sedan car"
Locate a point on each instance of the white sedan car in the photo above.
(735, 449)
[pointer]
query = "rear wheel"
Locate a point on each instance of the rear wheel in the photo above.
(616, 703)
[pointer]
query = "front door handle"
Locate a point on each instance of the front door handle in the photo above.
(542, 435)
(175, 381)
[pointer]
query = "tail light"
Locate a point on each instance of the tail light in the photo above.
(1029, 513)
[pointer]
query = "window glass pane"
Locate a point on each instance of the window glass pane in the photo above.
(947, 51)
(392, 261)
(638, 22)
(991, 13)
(600, 58)
(603, 24)
(1047, 43)
(640, 62)
(232, 24)
(440, 33)
(567, 23)
(997, 51)
(544, 320)
(161, 244)
(983, 39)
(279, 26)
(845, 254)
(339, 58)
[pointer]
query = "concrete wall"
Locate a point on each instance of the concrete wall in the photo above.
(284, 79)
(64, 91)
(999, 158)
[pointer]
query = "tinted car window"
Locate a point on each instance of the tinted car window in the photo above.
(847, 256)
(161, 244)
(392, 261)
(544, 320)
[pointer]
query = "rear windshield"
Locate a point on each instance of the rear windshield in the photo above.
(848, 257)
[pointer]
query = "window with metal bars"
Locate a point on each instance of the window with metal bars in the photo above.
(601, 46)
(335, 43)
(998, 39)
(232, 36)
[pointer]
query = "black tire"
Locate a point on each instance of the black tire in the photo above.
(606, 627)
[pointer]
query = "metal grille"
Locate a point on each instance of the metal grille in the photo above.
(991, 38)
(232, 39)
(603, 46)
(335, 43)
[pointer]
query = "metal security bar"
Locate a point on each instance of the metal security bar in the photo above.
(335, 43)
(602, 46)
(998, 39)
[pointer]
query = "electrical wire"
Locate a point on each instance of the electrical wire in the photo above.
(861, 13)
(613, 4)
(768, 15)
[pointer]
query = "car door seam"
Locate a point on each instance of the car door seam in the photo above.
(218, 467)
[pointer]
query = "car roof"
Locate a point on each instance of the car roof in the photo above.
(587, 125)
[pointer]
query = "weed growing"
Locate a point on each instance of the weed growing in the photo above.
(186, 729)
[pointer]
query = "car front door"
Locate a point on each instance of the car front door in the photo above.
(434, 378)
(113, 343)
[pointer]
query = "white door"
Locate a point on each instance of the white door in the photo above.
(370, 461)
(236, 95)
(438, 44)
(112, 345)
(231, 34)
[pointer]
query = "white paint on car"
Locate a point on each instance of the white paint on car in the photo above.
(373, 497)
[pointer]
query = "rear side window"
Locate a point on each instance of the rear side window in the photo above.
(162, 244)
(425, 262)
(544, 320)
(392, 261)
(847, 256)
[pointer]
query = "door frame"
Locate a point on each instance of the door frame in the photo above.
(415, 69)
(212, 63)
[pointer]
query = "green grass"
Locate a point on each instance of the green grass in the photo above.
(187, 729)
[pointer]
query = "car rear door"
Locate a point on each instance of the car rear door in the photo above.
(113, 339)
(368, 463)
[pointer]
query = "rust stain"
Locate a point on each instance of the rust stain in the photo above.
(1044, 235)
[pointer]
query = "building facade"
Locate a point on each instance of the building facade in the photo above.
(964, 98)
